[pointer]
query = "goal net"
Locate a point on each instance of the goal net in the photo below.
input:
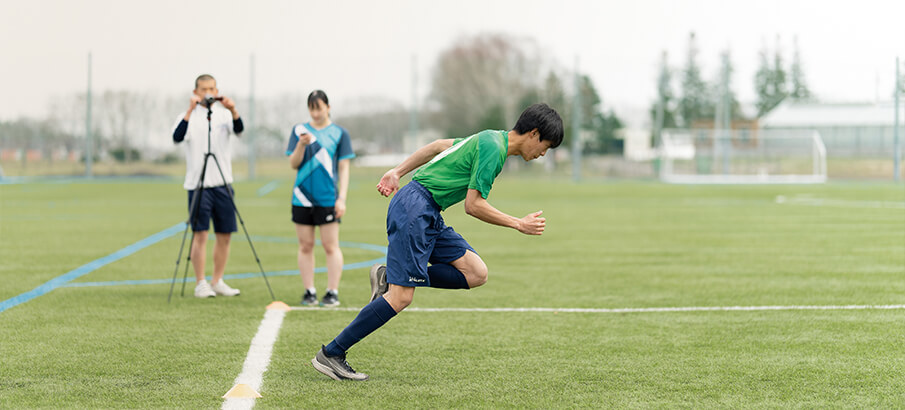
(742, 157)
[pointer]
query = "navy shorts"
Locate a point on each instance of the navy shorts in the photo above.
(215, 204)
(417, 235)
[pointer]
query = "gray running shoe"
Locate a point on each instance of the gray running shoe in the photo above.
(330, 300)
(336, 367)
(309, 299)
(379, 284)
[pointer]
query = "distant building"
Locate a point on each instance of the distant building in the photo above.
(847, 129)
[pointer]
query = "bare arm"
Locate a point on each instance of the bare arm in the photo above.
(295, 159)
(343, 174)
(478, 207)
(390, 181)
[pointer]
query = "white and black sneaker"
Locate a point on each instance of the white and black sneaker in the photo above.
(309, 298)
(379, 284)
(331, 299)
(336, 367)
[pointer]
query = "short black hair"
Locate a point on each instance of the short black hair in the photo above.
(545, 119)
(203, 77)
(317, 95)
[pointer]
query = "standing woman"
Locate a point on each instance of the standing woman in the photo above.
(320, 151)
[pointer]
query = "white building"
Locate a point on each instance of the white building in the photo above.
(847, 129)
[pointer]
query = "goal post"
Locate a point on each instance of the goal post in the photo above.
(745, 156)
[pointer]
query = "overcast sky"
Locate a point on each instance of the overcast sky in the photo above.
(364, 48)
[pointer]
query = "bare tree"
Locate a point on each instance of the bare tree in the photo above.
(480, 80)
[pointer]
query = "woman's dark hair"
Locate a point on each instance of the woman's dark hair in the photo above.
(317, 95)
(545, 119)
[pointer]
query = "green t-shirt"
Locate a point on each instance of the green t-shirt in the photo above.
(470, 163)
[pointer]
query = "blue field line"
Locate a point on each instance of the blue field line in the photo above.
(266, 189)
(357, 265)
(69, 179)
(60, 281)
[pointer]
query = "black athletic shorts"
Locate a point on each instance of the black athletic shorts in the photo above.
(318, 215)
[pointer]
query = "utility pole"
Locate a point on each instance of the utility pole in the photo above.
(89, 149)
(897, 156)
(576, 127)
(413, 113)
(250, 134)
(722, 117)
(662, 86)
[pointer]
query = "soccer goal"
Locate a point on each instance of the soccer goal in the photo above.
(742, 157)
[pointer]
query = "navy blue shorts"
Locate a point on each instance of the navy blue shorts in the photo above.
(215, 204)
(417, 235)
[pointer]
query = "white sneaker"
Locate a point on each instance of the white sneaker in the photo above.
(203, 290)
(222, 289)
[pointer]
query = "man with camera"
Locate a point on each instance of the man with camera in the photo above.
(206, 127)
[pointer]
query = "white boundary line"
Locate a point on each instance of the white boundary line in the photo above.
(845, 203)
(259, 353)
(629, 310)
(258, 358)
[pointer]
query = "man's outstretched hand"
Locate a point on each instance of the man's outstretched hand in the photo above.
(532, 224)
(389, 183)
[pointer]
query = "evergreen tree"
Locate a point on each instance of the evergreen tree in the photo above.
(778, 89)
(762, 83)
(800, 91)
(770, 81)
(735, 110)
(694, 103)
(603, 126)
(662, 111)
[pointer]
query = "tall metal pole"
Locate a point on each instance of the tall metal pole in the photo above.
(413, 114)
(89, 149)
(662, 84)
(897, 156)
(722, 121)
(576, 127)
(250, 136)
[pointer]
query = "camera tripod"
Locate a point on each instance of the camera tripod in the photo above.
(193, 213)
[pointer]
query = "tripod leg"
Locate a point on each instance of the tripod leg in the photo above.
(178, 258)
(232, 200)
(196, 200)
(193, 214)
(188, 261)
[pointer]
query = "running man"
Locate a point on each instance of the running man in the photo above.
(463, 168)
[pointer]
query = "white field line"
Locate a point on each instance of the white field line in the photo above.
(629, 310)
(845, 203)
(258, 357)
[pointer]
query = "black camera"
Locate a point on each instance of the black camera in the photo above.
(208, 100)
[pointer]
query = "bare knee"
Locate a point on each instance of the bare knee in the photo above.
(223, 239)
(306, 247)
(399, 297)
(331, 248)
(478, 275)
(473, 267)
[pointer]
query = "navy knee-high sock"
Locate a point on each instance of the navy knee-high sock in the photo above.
(371, 317)
(446, 276)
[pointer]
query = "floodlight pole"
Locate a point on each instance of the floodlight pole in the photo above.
(413, 114)
(662, 84)
(576, 127)
(250, 134)
(89, 155)
(897, 155)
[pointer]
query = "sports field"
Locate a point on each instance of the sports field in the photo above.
(817, 274)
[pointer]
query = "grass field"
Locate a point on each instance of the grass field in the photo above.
(608, 245)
